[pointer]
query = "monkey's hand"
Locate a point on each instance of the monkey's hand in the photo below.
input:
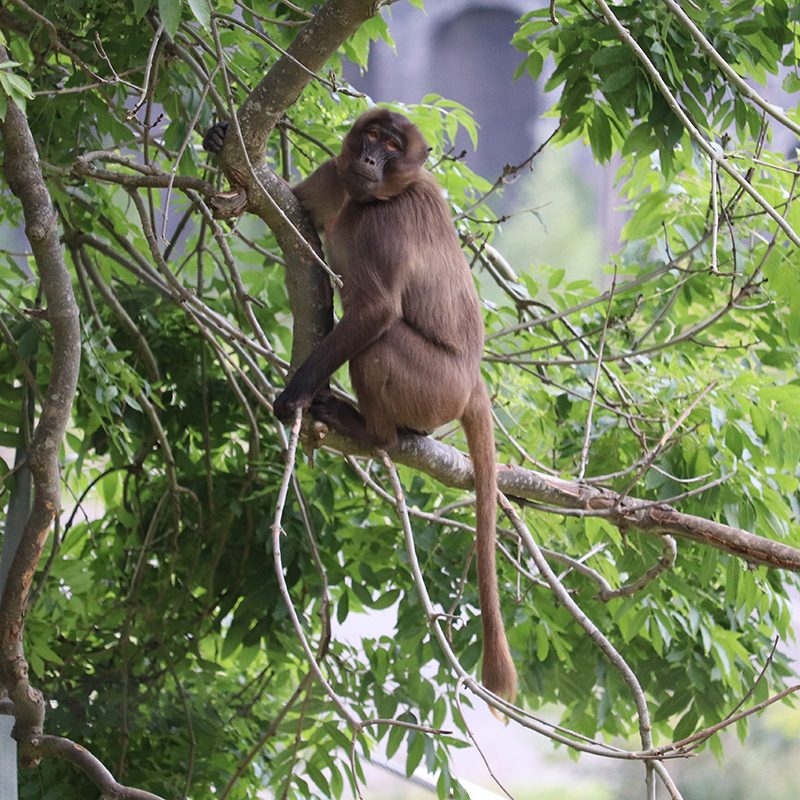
(215, 137)
(289, 400)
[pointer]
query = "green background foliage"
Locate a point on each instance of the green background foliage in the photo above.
(158, 633)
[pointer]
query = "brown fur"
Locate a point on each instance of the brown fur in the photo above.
(412, 328)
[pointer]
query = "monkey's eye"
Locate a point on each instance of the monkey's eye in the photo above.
(393, 145)
(372, 135)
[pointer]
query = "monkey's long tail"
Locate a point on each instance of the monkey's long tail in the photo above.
(498, 673)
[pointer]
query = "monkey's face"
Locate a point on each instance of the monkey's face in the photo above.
(381, 155)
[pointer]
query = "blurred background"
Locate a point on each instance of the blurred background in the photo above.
(563, 210)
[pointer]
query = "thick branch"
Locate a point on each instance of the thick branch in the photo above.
(317, 41)
(308, 287)
(452, 468)
(24, 176)
(92, 767)
(267, 194)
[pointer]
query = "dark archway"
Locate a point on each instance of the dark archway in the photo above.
(473, 62)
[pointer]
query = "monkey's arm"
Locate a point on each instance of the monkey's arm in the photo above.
(322, 194)
(361, 325)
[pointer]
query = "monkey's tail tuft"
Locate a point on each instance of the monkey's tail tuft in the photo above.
(498, 673)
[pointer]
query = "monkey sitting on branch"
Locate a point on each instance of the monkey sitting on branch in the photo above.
(411, 330)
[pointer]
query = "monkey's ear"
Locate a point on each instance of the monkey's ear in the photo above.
(420, 154)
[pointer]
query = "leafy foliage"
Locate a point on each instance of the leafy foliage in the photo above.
(606, 94)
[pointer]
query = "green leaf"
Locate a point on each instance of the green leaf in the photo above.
(556, 278)
(416, 749)
(611, 55)
(19, 86)
(396, 735)
(170, 13)
(686, 726)
(618, 79)
(201, 12)
(600, 135)
(141, 7)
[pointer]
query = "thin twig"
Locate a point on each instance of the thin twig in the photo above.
(598, 369)
(184, 144)
(714, 217)
(148, 71)
(476, 745)
(343, 710)
(667, 435)
(271, 730)
(706, 733)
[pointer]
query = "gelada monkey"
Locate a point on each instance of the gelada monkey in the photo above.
(411, 330)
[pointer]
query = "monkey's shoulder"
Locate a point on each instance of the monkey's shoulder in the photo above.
(411, 233)
(322, 194)
(424, 192)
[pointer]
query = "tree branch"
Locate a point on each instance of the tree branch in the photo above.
(92, 767)
(24, 176)
(452, 468)
(714, 153)
(316, 42)
(268, 195)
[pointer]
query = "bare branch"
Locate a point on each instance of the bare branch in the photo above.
(24, 175)
(148, 175)
(346, 714)
(557, 495)
(587, 437)
(475, 742)
(91, 766)
(701, 736)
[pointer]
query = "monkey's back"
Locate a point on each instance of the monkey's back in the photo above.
(407, 248)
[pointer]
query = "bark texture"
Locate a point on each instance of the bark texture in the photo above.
(24, 177)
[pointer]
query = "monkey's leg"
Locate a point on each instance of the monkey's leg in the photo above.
(345, 419)
(406, 382)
